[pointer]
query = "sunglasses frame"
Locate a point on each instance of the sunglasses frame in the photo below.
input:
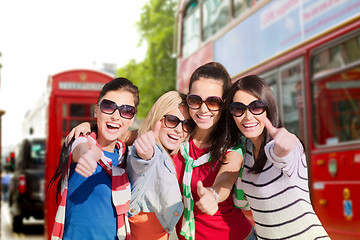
(248, 107)
(179, 121)
(204, 101)
(120, 108)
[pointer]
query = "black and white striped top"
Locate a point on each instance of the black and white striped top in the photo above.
(279, 196)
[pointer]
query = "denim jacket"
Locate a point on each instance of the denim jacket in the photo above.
(154, 187)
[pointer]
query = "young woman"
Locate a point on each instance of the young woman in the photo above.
(95, 188)
(275, 178)
(156, 202)
(197, 170)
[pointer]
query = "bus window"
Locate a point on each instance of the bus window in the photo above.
(336, 95)
(336, 57)
(215, 16)
(191, 29)
(292, 96)
(240, 7)
(271, 79)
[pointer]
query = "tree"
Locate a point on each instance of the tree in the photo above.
(157, 73)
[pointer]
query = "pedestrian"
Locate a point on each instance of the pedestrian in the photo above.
(95, 188)
(156, 202)
(5, 181)
(275, 179)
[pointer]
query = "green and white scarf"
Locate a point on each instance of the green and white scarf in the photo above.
(238, 195)
(188, 221)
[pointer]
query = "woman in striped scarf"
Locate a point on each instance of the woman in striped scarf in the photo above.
(199, 166)
(156, 202)
(95, 190)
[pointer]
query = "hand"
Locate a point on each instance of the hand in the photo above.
(284, 141)
(87, 163)
(207, 203)
(77, 131)
(145, 143)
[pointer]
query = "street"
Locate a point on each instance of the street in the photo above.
(33, 229)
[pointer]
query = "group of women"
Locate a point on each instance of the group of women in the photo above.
(192, 154)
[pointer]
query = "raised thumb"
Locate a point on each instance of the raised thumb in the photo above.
(200, 188)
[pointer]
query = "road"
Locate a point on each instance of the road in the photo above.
(33, 229)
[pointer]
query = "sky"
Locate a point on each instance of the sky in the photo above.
(39, 38)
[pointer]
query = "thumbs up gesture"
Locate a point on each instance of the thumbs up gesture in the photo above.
(145, 143)
(207, 202)
(284, 141)
(87, 162)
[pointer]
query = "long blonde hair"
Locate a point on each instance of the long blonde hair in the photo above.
(167, 102)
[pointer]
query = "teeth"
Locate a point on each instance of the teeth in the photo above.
(174, 137)
(250, 125)
(204, 117)
(113, 125)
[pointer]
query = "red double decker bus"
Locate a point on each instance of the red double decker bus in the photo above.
(309, 53)
(68, 101)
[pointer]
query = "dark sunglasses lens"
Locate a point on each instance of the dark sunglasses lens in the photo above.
(213, 103)
(257, 107)
(127, 111)
(188, 125)
(171, 121)
(107, 106)
(237, 109)
(194, 101)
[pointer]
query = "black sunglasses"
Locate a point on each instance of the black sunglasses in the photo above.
(109, 107)
(213, 103)
(171, 121)
(256, 107)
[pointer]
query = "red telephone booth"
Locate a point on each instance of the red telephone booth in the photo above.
(72, 95)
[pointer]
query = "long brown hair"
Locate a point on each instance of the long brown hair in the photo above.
(261, 90)
(215, 71)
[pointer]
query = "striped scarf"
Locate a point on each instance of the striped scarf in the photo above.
(188, 221)
(238, 195)
(120, 193)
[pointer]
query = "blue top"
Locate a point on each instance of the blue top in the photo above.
(154, 187)
(90, 213)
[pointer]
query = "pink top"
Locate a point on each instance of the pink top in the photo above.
(228, 222)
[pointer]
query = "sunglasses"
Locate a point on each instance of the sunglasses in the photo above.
(109, 107)
(171, 121)
(256, 107)
(213, 103)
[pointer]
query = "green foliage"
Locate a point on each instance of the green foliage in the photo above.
(156, 74)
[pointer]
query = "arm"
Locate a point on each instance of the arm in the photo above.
(78, 131)
(285, 150)
(222, 186)
(84, 128)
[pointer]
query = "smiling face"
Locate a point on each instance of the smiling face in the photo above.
(252, 126)
(171, 138)
(112, 126)
(203, 117)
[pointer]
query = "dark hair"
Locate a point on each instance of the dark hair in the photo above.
(212, 70)
(123, 84)
(215, 71)
(256, 86)
(64, 160)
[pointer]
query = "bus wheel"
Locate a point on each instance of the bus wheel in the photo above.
(17, 223)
